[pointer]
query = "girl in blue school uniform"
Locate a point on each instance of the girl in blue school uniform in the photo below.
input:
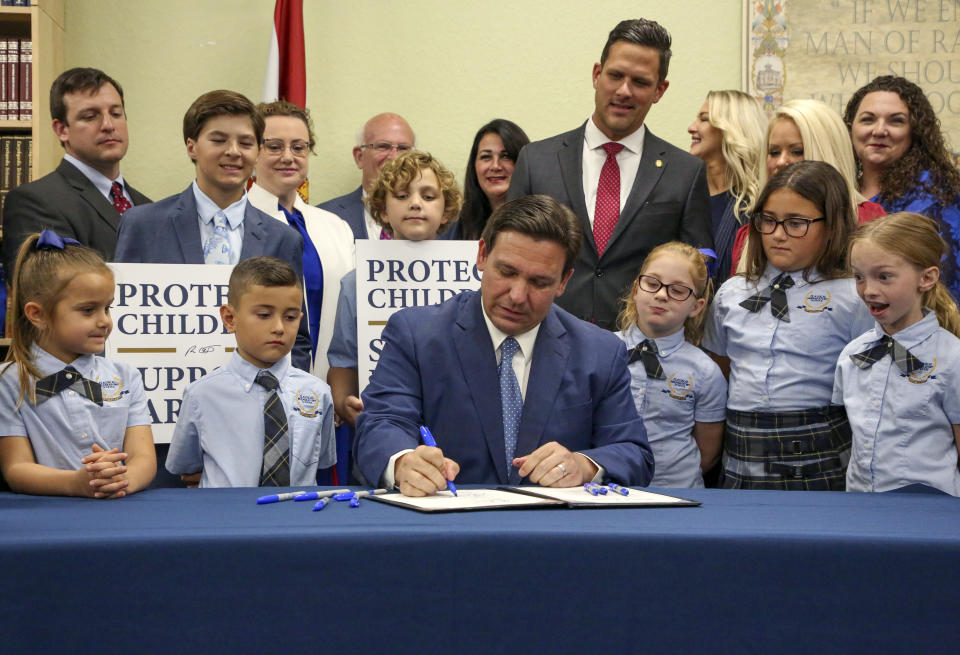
(71, 423)
(900, 382)
(678, 390)
(779, 328)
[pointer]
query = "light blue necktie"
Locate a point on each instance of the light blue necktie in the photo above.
(217, 248)
(511, 401)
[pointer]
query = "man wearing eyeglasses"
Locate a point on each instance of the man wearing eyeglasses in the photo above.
(382, 138)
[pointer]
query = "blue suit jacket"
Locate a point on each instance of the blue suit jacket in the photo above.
(168, 232)
(438, 368)
(350, 209)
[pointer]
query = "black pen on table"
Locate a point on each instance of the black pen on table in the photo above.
(428, 440)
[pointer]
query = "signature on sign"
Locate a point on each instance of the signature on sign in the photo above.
(200, 349)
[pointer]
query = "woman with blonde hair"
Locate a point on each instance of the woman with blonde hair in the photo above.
(728, 135)
(808, 129)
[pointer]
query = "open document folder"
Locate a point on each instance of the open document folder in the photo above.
(532, 497)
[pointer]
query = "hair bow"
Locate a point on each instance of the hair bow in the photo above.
(50, 239)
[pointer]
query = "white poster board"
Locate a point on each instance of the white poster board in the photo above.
(166, 323)
(392, 275)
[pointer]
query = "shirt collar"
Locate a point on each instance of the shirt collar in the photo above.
(497, 336)
(47, 364)
(798, 278)
(207, 208)
(916, 334)
(594, 138)
(665, 345)
(98, 179)
(247, 372)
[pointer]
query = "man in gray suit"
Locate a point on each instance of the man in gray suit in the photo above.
(85, 196)
(382, 138)
(631, 190)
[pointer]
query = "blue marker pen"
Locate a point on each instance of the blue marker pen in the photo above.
(354, 502)
(428, 440)
(591, 488)
(320, 504)
(346, 495)
(317, 495)
(623, 491)
(276, 498)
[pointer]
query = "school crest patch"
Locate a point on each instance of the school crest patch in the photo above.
(308, 403)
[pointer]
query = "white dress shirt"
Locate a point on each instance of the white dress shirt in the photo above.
(98, 179)
(594, 156)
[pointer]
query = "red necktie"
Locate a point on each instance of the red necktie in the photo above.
(120, 202)
(607, 211)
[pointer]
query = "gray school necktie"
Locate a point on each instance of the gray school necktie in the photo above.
(276, 437)
(68, 377)
(511, 400)
(887, 345)
(646, 352)
(777, 296)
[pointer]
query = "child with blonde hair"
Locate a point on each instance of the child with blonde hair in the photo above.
(899, 381)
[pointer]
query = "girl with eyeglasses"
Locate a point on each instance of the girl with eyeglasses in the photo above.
(677, 389)
(779, 328)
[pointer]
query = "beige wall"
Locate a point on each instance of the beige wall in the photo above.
(447, 65)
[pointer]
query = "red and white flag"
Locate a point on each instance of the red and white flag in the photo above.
(286, 76)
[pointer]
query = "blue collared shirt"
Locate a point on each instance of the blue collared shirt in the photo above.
(903, 424)
(63, 429)
(342, 351)
(694, 390)
(207, 209)
(220, 429)
(98, 179)
(777, 366)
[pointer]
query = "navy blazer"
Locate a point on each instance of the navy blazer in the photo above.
(438, 368)
(68, 203)
(669, 201)
(350, 209)
(168, 232)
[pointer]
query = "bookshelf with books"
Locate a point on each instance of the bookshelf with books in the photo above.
(31, 56)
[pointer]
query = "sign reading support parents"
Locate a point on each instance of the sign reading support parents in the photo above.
(166, 323)
(392, 275)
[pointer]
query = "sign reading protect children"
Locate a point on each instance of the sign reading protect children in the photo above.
(166, 323)
(392, 275)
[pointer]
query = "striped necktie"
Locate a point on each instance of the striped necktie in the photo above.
(887, 345)
(68, 377)
(276, 439)
(646, 352)
(776, 294)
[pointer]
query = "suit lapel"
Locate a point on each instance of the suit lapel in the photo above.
(550, 353)
(570, 158)
(253, 232)
(648, 176)
(90, 194)
(478, 368)
(186, 226)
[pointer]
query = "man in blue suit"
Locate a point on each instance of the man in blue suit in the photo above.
(383, 137)
(557, 412)
(211, 221)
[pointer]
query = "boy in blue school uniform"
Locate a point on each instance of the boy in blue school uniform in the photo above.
(256, 421)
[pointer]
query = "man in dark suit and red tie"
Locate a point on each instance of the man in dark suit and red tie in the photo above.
(86, 195)
(631, 190)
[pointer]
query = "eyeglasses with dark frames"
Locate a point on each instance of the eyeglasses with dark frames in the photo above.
(794, 226)
(677, 292)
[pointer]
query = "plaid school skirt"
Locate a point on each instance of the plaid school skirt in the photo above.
(795, 451)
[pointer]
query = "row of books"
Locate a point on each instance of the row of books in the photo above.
(16, 79)
(16, 158)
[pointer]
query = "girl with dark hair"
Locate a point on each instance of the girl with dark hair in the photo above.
(489, 169)
(779, 329)
(903, 161)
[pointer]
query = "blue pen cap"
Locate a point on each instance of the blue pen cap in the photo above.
(266, 500)
(319, 505)
(344, 495)
(354, 502)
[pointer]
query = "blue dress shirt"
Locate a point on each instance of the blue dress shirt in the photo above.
(777, 366)
(63, 429)
(207, 209)
(903, 424)
(343, 345)
(220, 429)
(694, 390)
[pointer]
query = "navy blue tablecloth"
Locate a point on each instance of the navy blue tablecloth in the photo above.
(209, 571)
